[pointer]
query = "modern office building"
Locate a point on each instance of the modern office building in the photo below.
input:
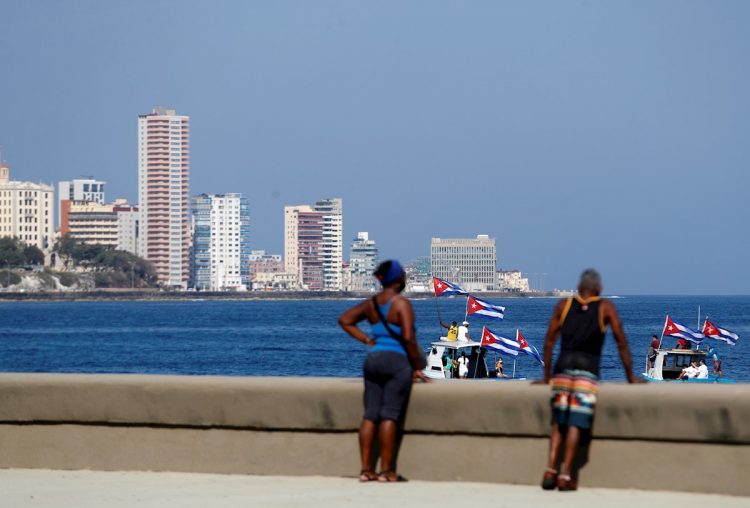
(363, 259)
(80, 189)
(26, 211)
(470, 262)
(108, 224)
(332, 247)
(221, 242)
(163, 186)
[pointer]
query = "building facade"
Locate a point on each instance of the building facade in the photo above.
(221, 242)
(163, 186)
(363, 259)
(332, 246)
(80, 189)
(309, 250)
(100, 223)
(26, 211)
(291, 234)
(470, 262)
(512, 281)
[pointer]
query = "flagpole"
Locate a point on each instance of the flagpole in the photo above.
(466, 315)
(698, 347)
(662, 331)
(514, 368)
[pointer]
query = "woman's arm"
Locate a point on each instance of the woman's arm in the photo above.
(349, 319)
(405, 313)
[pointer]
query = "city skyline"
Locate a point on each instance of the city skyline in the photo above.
(518, 127)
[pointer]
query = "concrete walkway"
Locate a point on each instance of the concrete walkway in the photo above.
(22, 488)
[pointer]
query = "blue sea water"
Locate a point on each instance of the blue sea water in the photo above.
(301, 338)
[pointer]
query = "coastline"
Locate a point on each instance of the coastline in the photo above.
(156, 295)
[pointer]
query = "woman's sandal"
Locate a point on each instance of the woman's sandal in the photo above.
(549, 480)
(566, 483)
(390, 476)
(367, 475)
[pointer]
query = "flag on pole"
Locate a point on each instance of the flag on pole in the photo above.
(491, 340)
(675, 329)
(714, 332)
(528, 348)
(476, 306)
(445, 288)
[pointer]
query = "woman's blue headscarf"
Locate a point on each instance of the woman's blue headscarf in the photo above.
(395, 272)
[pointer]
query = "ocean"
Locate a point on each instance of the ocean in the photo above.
(301, 337)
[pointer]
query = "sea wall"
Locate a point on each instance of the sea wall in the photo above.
(665, 436)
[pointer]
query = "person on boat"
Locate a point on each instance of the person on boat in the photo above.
(452, 330)
(681, 344)
(582, 322)
(689, 372)
(448, 365)
(463, 366)
(714, 355)
(702, 370)
(463, 332)
(652, 348)
(392, 365)
(499, 368)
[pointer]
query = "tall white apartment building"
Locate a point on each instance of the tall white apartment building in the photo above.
(291, 237)
(470, 262)
(80, 189)
(163, 186)
(332, 247)
(26, 211)
(221, 242)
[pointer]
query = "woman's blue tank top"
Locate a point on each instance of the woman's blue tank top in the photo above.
(383, 339)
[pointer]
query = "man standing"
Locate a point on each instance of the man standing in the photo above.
(714, 355)
(582, 321)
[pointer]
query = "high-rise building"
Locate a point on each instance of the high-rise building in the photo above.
(332, 248)
(128, 222)
(291, 241)
(363, 260)
(80, 189)
(221, 242)
(26, 211)
(309, 244)
(163, 186)
(470, 262)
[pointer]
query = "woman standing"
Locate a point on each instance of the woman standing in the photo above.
(393, 363)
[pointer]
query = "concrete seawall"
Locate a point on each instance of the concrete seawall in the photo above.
(666, 437)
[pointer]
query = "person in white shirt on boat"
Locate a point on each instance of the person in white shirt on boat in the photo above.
(463, 366)
(689, 372)
(463, 332)
(702, 370)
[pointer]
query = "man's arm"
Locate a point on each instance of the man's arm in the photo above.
(443, 324)
(553, 330)
(613, 320)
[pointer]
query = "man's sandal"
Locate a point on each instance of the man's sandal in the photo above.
(390, 476)
(367, 475)
(549, 480)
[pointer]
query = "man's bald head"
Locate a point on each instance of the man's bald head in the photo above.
(591, 282)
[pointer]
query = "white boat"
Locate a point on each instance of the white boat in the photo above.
(669, 363)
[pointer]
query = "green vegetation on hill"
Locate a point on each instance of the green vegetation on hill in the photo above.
(112, 268)
(15, 253)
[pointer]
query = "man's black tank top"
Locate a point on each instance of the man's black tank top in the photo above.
(583, 331)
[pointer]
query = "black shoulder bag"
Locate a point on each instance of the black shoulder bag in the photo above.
(399, 338)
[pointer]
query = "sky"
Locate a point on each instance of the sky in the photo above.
(577, 133)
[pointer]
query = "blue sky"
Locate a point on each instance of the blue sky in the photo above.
(605, 134)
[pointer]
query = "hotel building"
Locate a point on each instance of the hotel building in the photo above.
(332, 246)
(470, 262)
(26, 211)
(80, 189)
(111, 224)
(163, 186)
(221, 243)
(303, 243)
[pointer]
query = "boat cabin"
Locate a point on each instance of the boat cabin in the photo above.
(443, 350)
(669, 363)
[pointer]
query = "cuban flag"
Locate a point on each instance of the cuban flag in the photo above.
(504, 345)
(675, 329)
(715, 332)
(477, 306)
(528, 348)
(445, 288)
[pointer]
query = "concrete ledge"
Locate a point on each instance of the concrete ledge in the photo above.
(480, 431)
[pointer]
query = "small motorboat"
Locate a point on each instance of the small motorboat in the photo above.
(669, 364)
(436, 369)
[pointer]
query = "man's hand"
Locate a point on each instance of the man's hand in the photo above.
(419, 376)
(540, 382)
